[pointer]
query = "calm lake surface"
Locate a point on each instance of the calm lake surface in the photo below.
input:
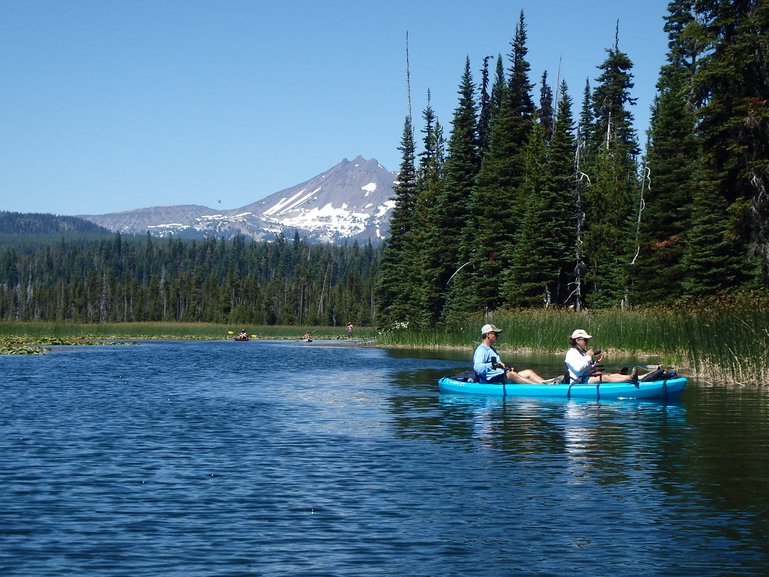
(291, 458)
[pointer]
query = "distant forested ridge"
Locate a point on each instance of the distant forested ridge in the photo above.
(530, 203)
(237, 281)
(17, 223)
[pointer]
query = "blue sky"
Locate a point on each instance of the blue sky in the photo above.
(112, 105)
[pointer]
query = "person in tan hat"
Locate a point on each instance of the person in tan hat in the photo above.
(581, 362)
(489, 367)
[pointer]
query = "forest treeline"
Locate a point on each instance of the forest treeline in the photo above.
(529, 204)
(238, 281)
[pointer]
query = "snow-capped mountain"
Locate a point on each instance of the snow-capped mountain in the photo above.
(350, 201)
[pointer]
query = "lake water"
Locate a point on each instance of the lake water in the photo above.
(321, 459)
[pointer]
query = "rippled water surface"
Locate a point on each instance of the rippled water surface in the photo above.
(288, 458)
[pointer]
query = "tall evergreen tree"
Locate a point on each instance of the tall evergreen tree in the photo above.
(395, 292)
(612, 120)
(542, 257)
(586, 120)
(672, 157)
(609, 200)
(533, 272)
(712, 258)
(498, 87)
(561, 171)
(546, 111)
(606, 239)
(443, 246)
(522, 109)
(429, 223)
(486, 105)
(495, 200)
(731, 87)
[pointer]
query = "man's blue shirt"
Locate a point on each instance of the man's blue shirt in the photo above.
(482, 363)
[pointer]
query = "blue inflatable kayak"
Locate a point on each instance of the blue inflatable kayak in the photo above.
(669, 389)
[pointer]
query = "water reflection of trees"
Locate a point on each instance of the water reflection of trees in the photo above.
(729, 445)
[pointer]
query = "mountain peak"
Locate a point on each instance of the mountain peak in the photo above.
(349, 201)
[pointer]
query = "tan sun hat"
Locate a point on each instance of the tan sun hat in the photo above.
(490, 329)
(580, 334)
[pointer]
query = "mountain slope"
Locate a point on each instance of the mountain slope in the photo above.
(350, 201)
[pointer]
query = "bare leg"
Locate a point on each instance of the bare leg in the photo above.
(611, 378)
(531, 376)
(616, 378)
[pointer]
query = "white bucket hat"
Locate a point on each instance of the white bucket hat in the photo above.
(580, 334)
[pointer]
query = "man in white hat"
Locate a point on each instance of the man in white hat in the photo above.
(489, 367)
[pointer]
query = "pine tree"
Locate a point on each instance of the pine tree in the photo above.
(522, 109)
(606, 237)
(731, 87)
(484, 116)
(541, 257)
(429, 224)
(561, 171)
(612, 121)
(443, 243)
(614, 184)
(546, 112)
(533, 272)
(495, 202)
(498, 91)
(586, 120)
(669, 185)
(711, 260)
(395, 293)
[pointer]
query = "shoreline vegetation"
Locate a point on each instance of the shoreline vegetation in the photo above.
(722, 340)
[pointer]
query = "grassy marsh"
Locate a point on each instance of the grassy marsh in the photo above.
(33, 337)
(723, 340)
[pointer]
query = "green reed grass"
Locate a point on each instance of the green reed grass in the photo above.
(728, 338)
(544, 331)
(723, 340)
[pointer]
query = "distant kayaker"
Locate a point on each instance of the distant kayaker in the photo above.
(489, 367)
(583, 362)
